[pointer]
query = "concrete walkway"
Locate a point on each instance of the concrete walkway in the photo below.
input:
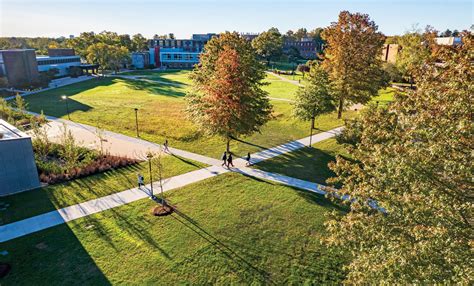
(295, 82)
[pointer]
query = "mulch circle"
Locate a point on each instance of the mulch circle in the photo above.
(4, 269)
(162, 210)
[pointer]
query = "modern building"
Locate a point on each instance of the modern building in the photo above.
(19, 66)
(307, 47)
(175, 53)
(60, 59)
(140, 60)
(17, 161)
(449, 41)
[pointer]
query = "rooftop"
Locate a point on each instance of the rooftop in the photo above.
(9, 131)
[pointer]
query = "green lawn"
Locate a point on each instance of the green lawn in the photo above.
(172, 76)
(110, 103)
(229, 230)
(280, 89)
(35, 202)
(385, 96)
(310, 164)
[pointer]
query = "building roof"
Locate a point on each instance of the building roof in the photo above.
(10, 132)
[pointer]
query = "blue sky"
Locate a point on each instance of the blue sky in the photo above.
(185, 17)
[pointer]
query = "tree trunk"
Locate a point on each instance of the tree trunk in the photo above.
(228, 144)
(311, 132)
(339, 110)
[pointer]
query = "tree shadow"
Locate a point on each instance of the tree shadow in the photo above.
(155, 87)
(184, 160)
(49, 256)
(223, 248)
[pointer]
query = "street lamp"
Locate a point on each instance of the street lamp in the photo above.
(136, 121)
(65, 98)
(150, 156)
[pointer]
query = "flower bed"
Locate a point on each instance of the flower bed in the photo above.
(59, 165)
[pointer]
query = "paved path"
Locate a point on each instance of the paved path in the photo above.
(55, 84)
(53, 218)
(57, 217)
(295, 82)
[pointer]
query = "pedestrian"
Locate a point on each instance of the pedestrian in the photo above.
(140, 180)
(166, 146)
(247, 159)
(229, 160)
(224, 159)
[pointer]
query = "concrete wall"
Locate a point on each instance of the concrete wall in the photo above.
(17, 166)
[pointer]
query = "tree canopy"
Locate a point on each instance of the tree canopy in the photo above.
(268, 45)
(352, 58)
(414, 159)
(226, 98)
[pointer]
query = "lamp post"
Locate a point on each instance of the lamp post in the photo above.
(136, 121)
(65, 98)
(150, 156)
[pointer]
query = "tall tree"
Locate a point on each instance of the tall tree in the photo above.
(414, 159)
(268, 45)
(415, 49)
(139, 43)
(226, 98)
(352, 58)
(314, 98)
(107, 56)
(301, 33)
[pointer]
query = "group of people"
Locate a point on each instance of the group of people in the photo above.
(227, 159)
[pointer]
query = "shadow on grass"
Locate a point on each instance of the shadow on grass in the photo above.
(184, 160)
(156, 88)
(190, 223)
(51, 256)
(51, 101)
(310, 164)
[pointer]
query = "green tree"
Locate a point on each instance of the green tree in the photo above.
(107, 56)
(314, 98)
(226, 98)
(268, 45)
(139, 43)
(415, 49)
(352, 59)
(414, 159)
(301, 33)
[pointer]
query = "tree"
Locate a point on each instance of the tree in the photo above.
(107, 56)
(317, 38)
(314, 98)
(446, 33)
(226, 98)
(413, 52)
(303, 69)
(352, 58)
(414, 159)
(268, 45)
(301, 33)
(139, 43)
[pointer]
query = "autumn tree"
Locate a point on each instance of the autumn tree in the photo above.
(415, 49)
(268, 45)
(314, 98)
(226, 98)
(414, 158)
(352, 58)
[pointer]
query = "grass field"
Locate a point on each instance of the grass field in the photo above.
(31, 203)
(229, 230)
(310, 164)
(110, 102)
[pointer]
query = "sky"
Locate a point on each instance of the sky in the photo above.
(54, 18)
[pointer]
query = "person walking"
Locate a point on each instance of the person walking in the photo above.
(247, 159)
(166, 146)
(229, 160)
(224, 159)
(140, 180)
